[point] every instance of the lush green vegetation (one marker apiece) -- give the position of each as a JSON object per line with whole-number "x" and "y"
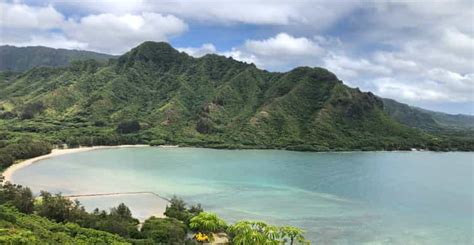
{"x": 21, "y": 149}
{"x": 254, "y": 232}
{"x": 427, "y": 120}
{"x": 56, "y": 219}
{"x": 22, "y": 221}
{"x": 157, "y": 95}
{"x": 164, "y": 230}
{"x": 20, "y": 228}
{"x": 24, "y": 58}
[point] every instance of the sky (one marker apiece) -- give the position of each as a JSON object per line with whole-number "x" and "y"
{"x": 417, "y": 52}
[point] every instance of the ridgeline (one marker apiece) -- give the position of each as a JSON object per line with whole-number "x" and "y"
{"x": 155, "y": 94}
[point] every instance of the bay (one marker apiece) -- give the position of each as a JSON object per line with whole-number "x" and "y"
{"x": 337, "y": 198}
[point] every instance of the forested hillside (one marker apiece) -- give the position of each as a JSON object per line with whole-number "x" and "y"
{"x": 155, "y": 94}
{"x": 425, "y": 119}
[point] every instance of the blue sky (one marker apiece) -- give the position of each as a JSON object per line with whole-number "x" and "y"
{"x": 417, "y": 52}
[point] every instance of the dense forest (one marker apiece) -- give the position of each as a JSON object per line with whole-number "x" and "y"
{"x": 155, "y": 95}
{"x": 54, "y": 219}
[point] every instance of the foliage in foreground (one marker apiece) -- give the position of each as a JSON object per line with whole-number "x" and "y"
{"x": 164, "y": 230}
{"x": 255, "y": 232}
{"x": 57, "y": 219}
{"x": 20, "y": 228}
{"x": 177, "y": 209}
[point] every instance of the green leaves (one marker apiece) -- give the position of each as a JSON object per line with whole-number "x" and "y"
{"x": 164, "y": 230}
{"x": 19, "y": 228}
{"x": 207, "y": 223}
{"x": 256, "y": 232}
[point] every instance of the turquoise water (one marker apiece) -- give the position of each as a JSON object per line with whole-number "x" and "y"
{"x": 338, "y": 198}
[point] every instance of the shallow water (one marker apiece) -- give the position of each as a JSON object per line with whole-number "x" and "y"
{"x": 338, "y": 198}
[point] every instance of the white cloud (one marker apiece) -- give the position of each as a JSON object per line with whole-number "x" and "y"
{"x": 439, "y": 85}
{"x": 53, "y": 40}
{"x": 207, "y": 48}
{"x": 243, "y": 12}
{"x": 283, "y": 44}
{"x": 22, "y": 25}
{"x": 242, "y": 56}
{"x": 26, "y": 17}
{"x": 458, "y": 42}
{"x": 280, "y": 52}
{"x": 250, "y": 12}
{"x": 393, "y": 88}
{"x": 351, "y": 68}
{"x": 118, "y": 33}
{"x": 258, "y": 12}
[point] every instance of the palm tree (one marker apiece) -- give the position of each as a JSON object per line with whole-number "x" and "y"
{"x": 292, "y": 233}
{"x": 251, "y": 237}
{"x": 207, "y": 223}
{"x": 272, "y": 233}
{"x": 253, "y": 232}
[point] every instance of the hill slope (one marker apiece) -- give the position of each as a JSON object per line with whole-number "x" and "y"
{"x": 425, "y": 119}
{"x": 209, "y": 101}
{"x": 20, "y": 59}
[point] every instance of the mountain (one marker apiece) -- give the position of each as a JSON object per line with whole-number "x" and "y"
{"x": 158, "y": 95}
{"x": 425, "y": 119}
{"x": 19, "y": 59}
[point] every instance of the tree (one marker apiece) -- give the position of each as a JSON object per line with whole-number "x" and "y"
{"x": 121, "y": 211}
{"x": 164, "y": 230}
{"x": 119, "y": 221}
{"x": 17, "y": 196}
{"x": 195, "y": 209}
{"x": 58, "y": 208}
{"x": 250, "y": 232}
{"x": 293, "y": 233}
{"x": 255, "y": 232}
{"x": 207, "y": 222}
{"x": 27, "y": 148}
{"x": 177, "y": 209}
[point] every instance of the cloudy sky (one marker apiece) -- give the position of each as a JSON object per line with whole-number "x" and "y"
{"x": 417, "y": 52}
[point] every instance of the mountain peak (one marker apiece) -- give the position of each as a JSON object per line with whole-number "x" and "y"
{"x": 161, "y": 54}
{"x": 148, "y": 45}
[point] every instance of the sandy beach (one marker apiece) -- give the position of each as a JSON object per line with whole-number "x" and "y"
{"x": 8, "y": 173}
{"x": 138, "y": 207}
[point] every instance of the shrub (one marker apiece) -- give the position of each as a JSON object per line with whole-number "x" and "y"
{"x": 17, "y": 196}
{"x": 164, "y": 230}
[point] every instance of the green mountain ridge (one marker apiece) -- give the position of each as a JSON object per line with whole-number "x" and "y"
{"x": 19, "y": 59}
{"x": 210, "y": 101}
{"x": 425, "y": 119}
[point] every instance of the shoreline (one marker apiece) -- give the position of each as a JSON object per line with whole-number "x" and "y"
{"x": 8, "y": 173}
